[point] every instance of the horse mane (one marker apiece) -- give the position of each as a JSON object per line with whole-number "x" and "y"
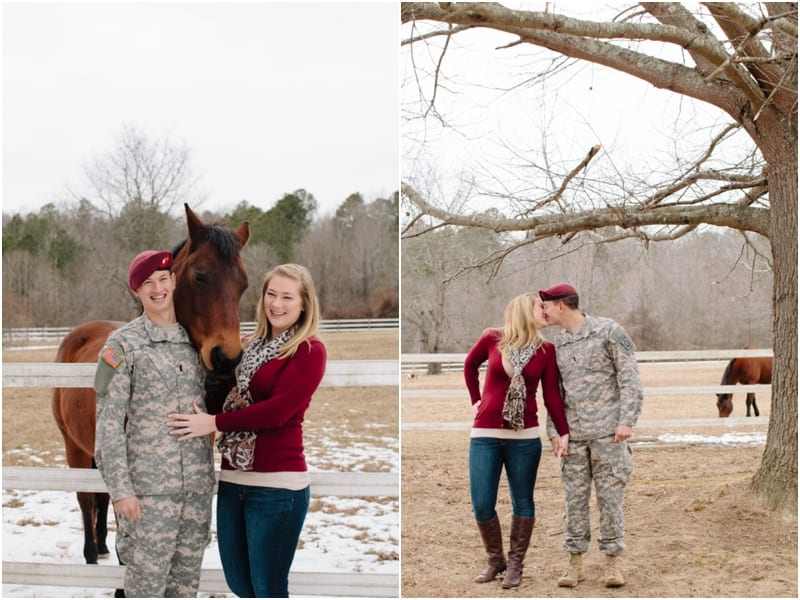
{"x": 222, "y": 238}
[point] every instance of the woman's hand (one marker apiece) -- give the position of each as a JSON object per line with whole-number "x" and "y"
{"x": 191, "y": 426}
{"x": 475, "y": 408}
{"x": 560, "y": 445}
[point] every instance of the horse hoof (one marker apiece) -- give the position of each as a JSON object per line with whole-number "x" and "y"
{"x": 102, "y": 554}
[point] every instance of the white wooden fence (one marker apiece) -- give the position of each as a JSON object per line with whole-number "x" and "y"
{"x": 412, "y": 364}
{"x": 56, "y": 334}
{"x": 338, "y": 374}
{"x": 420, "y": 363}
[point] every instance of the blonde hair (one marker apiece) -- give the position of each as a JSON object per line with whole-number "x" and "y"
{"x": 519, "y": 328}
{"x": 308, "y": 322}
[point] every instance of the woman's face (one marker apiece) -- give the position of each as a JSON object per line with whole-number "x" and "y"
{"x": 283, "y": 303}
{"x": 538, "y": 315}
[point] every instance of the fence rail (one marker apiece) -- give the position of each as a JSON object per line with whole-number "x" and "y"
{"x": 338, "y": 373}
{"x": 345, "y": 484}
{"x": 411, "y": 363}
{"x": 212, "y": 581}
{"x": 55, "y": 334}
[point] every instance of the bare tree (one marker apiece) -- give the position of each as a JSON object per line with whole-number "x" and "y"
{"x": 741, "y": 59}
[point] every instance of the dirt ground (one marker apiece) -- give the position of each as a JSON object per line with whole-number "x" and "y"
{"x": 693, "y": 529}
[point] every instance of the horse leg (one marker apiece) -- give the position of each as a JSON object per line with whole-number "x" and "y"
{"x": 86, "y": 502}
{"x": 101, "y": 500}
{"x": 751, "y": 399}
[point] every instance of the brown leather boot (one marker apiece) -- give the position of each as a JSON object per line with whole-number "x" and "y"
{"x": 521, "y": 529}
{"x": 493, "y": 542}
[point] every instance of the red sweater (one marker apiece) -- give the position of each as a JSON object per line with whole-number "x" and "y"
{"x": 541, "y": 367}
{"x": 281, "y": 391}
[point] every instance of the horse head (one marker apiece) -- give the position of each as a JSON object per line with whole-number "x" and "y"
{"x": 725, "y": 404}
{"x": 210, "y": 282}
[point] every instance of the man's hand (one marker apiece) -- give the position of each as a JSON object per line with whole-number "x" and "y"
{"x": 623, "y": 433}
{"x": 128, "y": 507}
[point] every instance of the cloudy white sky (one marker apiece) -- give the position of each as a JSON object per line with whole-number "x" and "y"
{"x": 268, "y": 97}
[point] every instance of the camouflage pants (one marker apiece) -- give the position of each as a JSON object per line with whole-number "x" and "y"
{"x": 164, "y": 549}
{"x": 609, "y": 464}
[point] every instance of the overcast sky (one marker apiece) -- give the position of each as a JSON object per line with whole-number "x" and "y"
{"x": 499, "y": 117}
{"x": 268, "y": 97}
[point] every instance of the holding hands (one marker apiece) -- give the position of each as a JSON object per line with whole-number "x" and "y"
{"x": 560, "y": 445}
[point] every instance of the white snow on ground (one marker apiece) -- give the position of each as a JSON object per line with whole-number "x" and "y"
{"x": 733, "y": 438}
{"x": 351, "y": 535}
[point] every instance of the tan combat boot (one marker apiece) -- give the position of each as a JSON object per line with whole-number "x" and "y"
{"x": 612, "y": 576}
{"x": 574, "y": 572}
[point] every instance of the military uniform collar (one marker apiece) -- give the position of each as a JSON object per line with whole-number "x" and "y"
{"x": 581, "y": 331}
{"x": 159, "y": 334}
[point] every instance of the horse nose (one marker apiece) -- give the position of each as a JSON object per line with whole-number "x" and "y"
{"x": 222, "y": 364}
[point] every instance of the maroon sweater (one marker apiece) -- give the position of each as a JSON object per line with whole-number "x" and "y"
{"x": 541, "y": 367}
{"x": 281, "y": 391}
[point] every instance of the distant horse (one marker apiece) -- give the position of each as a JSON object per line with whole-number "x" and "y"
{"x": 747, "y": 371}
{"x": 211, "y": 279}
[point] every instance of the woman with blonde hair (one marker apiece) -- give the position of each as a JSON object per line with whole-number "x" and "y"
{"x": 505, "y": 430}
{"x": 263, "y": 492}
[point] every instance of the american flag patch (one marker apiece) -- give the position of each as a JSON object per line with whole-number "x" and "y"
{"x": 111, "y": 357}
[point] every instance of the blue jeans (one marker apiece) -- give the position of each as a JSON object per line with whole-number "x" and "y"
{"x": 258, "y": 530}
{"x": 486, "y": 459}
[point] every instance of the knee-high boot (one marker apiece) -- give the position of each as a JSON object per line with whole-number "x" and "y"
{"x": 493, "y": 543}
{"x": 521, "y": 529}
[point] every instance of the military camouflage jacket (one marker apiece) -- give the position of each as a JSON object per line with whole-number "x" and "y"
{"x": 145, "y": 373}
{"x": 599, "y": 377}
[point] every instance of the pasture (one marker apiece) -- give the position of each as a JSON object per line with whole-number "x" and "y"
{"x": 346, "y": 429}
{"x": 692, "y": 526}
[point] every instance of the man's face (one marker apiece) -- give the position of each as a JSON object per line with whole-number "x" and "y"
{"x": 551, "y": 311}
{"x": 156, "y": 292}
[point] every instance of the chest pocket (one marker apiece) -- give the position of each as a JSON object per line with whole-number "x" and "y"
{"x": 589, "y": 355}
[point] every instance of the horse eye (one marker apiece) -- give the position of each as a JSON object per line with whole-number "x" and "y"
{"x": 200, "y": 277}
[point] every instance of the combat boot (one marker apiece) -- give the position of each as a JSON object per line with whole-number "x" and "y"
{"x": 574, "y": 572}
{"x": 612, "y": 576}
{"x": 493, "y": 543}
{"x": 521, "y": 529}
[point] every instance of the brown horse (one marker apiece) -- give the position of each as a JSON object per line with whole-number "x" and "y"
{"x": 210, "y": 282}
{"x": 747, "y": 371}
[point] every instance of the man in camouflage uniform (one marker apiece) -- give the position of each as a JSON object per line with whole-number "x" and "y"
{"x": 603, "y": 400}
{"x": 161, "y": 487}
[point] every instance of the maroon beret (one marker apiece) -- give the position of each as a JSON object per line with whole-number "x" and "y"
{"x": 145, "y": 264}
{"x": 559, "y": 290}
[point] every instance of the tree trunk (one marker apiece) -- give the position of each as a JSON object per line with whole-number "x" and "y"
{"x": 776, "y": 478}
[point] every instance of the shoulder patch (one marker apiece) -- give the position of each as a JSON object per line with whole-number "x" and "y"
{"x": 620, "y": 337}
{"x": 111, "y": 358}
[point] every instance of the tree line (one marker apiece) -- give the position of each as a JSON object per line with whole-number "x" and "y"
{"x": 65, "y": 265}
{"x": 665, "y": 295}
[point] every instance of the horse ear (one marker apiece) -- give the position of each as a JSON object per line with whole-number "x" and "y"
{"x": 196, "y": 226}
{"x": 242, "y": 232}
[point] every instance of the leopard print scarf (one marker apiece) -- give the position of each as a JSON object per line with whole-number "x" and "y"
{"x": 238, "y": 447}
{"x": 514, "y": 404}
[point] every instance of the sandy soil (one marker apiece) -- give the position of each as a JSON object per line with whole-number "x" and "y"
{"x": 692, "y": 526}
